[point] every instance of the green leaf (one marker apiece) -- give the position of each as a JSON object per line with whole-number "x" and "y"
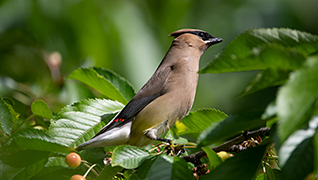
{"x": 315, "y": 144}
{"x": 40, "y": 108}
{"x": 171, "y": 135}
{"x": 275, "y": 174}
{"x": 133, "y": 176}
{"x": 56, "y": 161}
{"x": 8, "y": 172}
{"x": 30, "y": 170}
{"x": 294, "y": 141}
{"x": 214, "y": 159}
{"x": 108, "y": 172}
{"x": 37, "y": 140}
{"x": 95, "y": 155}
{"x": 124, "y": 87}
{"x": 76, "y": 91}
{"x": 301, "y": 161}
{"x": 146, "y": 166}
{"x": 168, "y": 167}
{"x": 197, "y": 121}
{"x": 107, "y": 83}
{"x": 265, "y": 79}
{"x": 260, "y": 177}
{"x": 128, "y": 157}
{"x": 264, "y": 48}
{"x": 296, "y": 99}
{"x": 79, "y": 122}
{"x": 270, "y": 173}
{"x": 8, "y": 101}
{"x": 6, "y": 118}
{"x": 244, "y": 165}
{"x": 55, "y": 168}
{"x": 230, "y": 127}
{"x": 270, "y": 111}
{"x": 14, "y": 157}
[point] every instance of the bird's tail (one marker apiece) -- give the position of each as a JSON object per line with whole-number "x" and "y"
{"x": 113, "y": 137}
{"x": 83, "y": 146}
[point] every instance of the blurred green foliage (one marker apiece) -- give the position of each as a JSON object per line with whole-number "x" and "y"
{"x": 42, "y": 41}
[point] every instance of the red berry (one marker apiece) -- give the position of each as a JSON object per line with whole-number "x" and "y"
{"x": 73, "y": 160}
{"x": 77, "y": 177}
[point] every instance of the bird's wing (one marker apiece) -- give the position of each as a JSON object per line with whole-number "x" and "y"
{"x": 149, "y": 92}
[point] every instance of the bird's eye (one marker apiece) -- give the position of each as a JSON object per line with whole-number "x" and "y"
{"x": 201, "y": 34}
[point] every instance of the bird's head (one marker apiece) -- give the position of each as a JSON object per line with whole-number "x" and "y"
{"x": 195, "y": 37}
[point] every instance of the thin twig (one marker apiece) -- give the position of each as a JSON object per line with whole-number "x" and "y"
{"x": 195, "y": 158}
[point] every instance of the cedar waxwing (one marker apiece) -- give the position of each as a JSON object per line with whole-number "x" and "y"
{"x": 166, "y": 97}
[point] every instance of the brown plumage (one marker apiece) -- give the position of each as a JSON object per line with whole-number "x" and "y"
{"x": 166, "y": 97}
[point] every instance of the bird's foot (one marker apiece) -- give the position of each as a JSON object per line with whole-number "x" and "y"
{"x": 164, "y": 140}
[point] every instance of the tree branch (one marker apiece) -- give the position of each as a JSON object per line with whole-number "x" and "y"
{"x": 228, "y": 146}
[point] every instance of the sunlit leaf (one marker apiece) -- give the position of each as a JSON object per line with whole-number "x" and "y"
{"x": 214, "y": 159}
{"x": 264, "y": 48}
{"x": 168, "y": 167}
{"x": 124, "y": 87}
{"x": 40, "y": 108}
{"x": 79, "y": 122}
{"x": 128, "y": 157}
{"x": 76, "y": 91}
{"x": 92, "y": 78}
{"x": 260, "y": 177}
{"x": 229, "y": 127}
{"x": 296, "y": 99}
{"x": 197, "y": 121}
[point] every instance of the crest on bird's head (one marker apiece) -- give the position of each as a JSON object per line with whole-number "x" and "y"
{"x": 204, "y": 36}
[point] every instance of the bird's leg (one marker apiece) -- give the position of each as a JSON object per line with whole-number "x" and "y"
{"x": 171, "y": 149}
{"x": 151, "y": 135}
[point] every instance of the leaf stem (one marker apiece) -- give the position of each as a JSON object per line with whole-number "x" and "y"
{"x": 25, "y": 120}
{"x": 90, "y": 168}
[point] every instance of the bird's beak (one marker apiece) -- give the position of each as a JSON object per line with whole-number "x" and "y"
{"x": 213, "y": 40}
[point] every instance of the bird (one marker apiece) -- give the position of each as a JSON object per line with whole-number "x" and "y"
{"x": 166, "y": 97}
